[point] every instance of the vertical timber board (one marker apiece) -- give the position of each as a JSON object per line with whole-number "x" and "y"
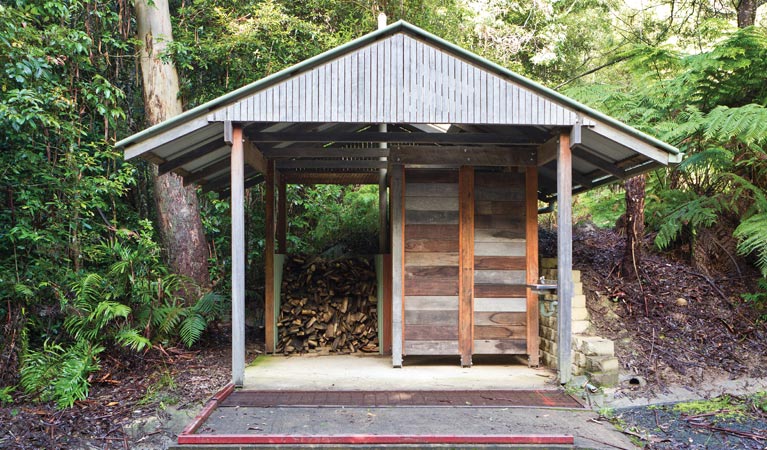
{"x": 397, "y": 192}
{"x": 564, "y": 255}
{"x": 269, "y": 323}
{"x": 466, "y": 264}
{"x": 380, "y": 281}
{"x": 238, "y": 256}
{"x": 387, "y": 330}
{"x": 282, "y": 211}
{"x": 531, "y": 257}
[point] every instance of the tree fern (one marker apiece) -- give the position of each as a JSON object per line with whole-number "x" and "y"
{"x": 746, "y": 124}
{"x": 700, "y": 212}
{"x": 752, "y": 238}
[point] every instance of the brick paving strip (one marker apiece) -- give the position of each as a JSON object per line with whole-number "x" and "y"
{"x": 491, "y": 398}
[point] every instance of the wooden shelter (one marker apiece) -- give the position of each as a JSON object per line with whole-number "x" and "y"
{"x": 463, "y": 151}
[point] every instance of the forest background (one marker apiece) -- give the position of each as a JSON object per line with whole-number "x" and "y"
{"x": 86, "y": 268}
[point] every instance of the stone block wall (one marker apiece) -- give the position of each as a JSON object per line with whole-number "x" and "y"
{"x": 593, "y": 356}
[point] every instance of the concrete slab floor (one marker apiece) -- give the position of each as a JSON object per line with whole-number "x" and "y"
{"x": 581, "y": 424}
{"x": 374, "y": 372}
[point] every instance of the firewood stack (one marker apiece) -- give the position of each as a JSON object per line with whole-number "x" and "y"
{"x": 328, "y": 306}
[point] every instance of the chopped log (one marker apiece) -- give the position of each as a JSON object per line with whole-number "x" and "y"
{"x": 328, "y": 306}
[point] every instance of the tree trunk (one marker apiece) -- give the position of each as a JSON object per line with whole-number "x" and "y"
{"x": 178, "y": 211}
{"x": 747, "y": 12}
{"x": 632, "y": 255}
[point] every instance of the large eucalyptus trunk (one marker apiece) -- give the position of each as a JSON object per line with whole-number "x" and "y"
{"x": 632, "y": 255}
{"x": 178, "y": 211}
{"x": 746, "y": 10}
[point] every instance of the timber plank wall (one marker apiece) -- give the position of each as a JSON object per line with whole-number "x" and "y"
{"x": 431, "y": 262}
{"x": 500, "y": 320}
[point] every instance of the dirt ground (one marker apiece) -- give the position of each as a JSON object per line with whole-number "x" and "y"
{"x": 717, "y": 427}
{"x": 135, "y": 401}
{"x": 673, "y": 327}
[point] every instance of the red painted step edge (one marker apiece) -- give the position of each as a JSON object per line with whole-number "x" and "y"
{"x": 275, "y": 439}
{"x": 212, "y": 404}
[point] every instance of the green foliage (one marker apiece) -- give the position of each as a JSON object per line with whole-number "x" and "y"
{"x": 692, "y": 213}
{"x": 5, "y": 395}
{"x": 759, "y": 299}
{"x": 602, "y": 206}
{"x": 711, "y": 105}
{"x": 60, "y": 373}
{"x": 335, "y": 215}
{"x": 722, "y": 408}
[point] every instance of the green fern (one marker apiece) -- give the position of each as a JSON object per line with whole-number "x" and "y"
{"x": 192, "y": 328}
{"x": 752, "y": 238}
{"x": 209, "y": 304}
{"x": 717, "y": 158}
{"x": 167, "y": 317}
{"x": 746, "y": 124}
{"x": 71, "y": 383}
{"x": 132, "y": 339}
{"x": 60, "y": 374}
{"x": 700, "y": 212}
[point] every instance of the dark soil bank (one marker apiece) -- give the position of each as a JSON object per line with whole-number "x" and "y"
{"x": 661, "y": 427}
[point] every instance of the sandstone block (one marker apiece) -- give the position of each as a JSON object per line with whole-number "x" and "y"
{"x": 602, "y": 364}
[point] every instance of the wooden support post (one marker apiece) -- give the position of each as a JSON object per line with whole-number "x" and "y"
{"x": 238, "y": 256}
{"x": 466, "y": 264}
{"x": 397, "y": 189}
{"x": 531, "y": 257}
{"x": 387, "y": 327}
{"x": 282, "y": 212}
{"x": 383, "y": 205}
{"x": 269, "y": 322}
{"x": 564, "y": 256}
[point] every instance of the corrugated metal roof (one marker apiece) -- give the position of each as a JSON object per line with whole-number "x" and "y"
{"x": 399, "y": 74}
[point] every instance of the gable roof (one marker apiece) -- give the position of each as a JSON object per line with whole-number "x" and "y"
{"x": 400, "y": 74}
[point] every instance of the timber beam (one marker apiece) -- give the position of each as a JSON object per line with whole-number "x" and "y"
{"x": 331, "y": 164}
{"x": 170, "y": 165}
{"x": 290, "y": 152}
{"x": 460, "y": 156}
{"x": 604, "y": 165}
{"x": 254, "y": 157}
{"x": 400, "y": 137}
{"x": 208, "y": 170}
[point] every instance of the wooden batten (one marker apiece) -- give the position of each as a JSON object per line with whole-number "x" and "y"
{"x": 269, "y": 319}
{"x": 282, "y": 212}
{"x": 466, "y": 264}
{"x": 531, "y": 258}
